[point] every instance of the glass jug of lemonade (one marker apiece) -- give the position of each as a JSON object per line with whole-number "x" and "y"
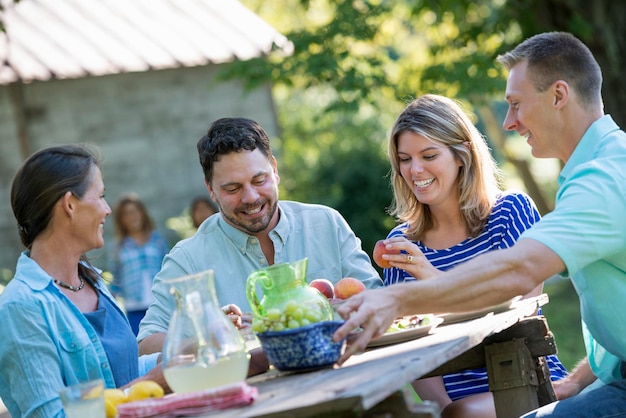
{"x": 202, "y": 347}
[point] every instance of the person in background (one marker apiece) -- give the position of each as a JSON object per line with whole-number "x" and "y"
{"x": 450, "y": 208}
{"x": 136, "y": 256}
{"x": 253, "y": 229}
{"x": 554, "y": 94}
{"x": 60, "y": 325}
{"x": 201, "y": 208}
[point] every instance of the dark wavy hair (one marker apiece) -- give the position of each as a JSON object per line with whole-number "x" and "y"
{"x": 229, "y": 135}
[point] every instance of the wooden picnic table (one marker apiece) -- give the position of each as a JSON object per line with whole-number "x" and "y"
{"x": 511, "y": 344}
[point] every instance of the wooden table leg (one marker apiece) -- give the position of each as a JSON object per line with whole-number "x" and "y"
{"x": 512, "y": 378}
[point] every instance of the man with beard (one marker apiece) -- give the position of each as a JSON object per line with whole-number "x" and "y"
{"x": 252, "y": 230}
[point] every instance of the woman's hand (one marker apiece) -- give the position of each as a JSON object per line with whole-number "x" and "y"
{"x": 155, "y": 374}
{"x": 413, "y": 261}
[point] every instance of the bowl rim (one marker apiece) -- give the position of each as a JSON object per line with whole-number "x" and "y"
{"x": 298, "y": 330}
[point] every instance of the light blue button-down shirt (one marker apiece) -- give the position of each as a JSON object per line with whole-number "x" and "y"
{"x": 46, "y": 344}
{"x": 304, "y": 230}
{"x": 587, "y": 229}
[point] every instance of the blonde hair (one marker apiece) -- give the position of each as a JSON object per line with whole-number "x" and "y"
{"x": 443, "y": 121}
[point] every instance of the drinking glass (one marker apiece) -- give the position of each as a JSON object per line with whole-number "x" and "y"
{"x": 84, "y": 400}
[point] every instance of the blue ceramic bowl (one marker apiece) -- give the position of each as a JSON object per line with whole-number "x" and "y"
{"x": 302, "y": 349}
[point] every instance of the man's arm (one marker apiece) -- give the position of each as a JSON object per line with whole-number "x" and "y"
{"x": 486, "y": 280}
{"x": 153, "y": 343}
{"x": 575, "y": 382}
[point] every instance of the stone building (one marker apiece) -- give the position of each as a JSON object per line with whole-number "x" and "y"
{"x": 137, "y": 78}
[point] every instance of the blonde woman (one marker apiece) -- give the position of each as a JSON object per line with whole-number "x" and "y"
{"x": 450, "y": 208}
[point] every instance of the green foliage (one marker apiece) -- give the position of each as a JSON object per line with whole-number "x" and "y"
{"x": 5, "y": 276}
{"x": 181, "y": 224}
{"x": 354, "y": 181}
{"x": 3, "y": 7}
{"x": 563, "y": 315}
{"x": 336, "y": 159}
{"x": 355, "y": 64}
{"x": 332, "y": 47}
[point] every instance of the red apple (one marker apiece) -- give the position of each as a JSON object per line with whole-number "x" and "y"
{"x": 347, "y": 287}
{"x": 325, "y": 286}
{"x": 379, "y": 250}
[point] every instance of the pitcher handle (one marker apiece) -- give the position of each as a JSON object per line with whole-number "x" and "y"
{"x": 251, "y": 282}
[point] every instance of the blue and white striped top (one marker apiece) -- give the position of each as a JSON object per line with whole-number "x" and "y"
{"x": 512, "y": 213}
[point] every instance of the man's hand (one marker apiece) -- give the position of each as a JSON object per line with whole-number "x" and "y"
{"x": 233, "y": 312}
{"x": 373, "y": 311}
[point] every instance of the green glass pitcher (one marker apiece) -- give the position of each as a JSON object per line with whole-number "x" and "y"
{"x": 287, "y": 301}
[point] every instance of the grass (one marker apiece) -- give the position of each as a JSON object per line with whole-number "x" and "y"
{"x": 563, "y": 315}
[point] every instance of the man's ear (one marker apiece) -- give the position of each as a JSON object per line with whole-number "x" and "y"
{"x": 561, "y": 92}
{"x": 209, "y": 189}
{"x": 275, "y": 166}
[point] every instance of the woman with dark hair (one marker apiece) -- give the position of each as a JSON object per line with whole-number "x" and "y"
{"x": 60, "y": 325}
{"x": 201, "y": 208}
{"x": 136, "y": 256}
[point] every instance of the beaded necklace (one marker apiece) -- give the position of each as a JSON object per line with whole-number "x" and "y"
{"x": 69, "y": 286}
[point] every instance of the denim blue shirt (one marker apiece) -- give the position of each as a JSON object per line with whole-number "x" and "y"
{"x": 47, "y": 343}
{"x": 587, "y": 230}
{"x": 304, "y": 230}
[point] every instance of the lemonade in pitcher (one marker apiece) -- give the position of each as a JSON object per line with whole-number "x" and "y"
{"x": 194, "y": 377}
{"x": 202, "y": 347}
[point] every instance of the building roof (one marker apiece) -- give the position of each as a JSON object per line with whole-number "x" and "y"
{"x": 48, "y": 39}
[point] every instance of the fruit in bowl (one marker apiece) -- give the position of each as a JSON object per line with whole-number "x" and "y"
{"x": 348, "y": 286}
{"x": 305, "y": 348}
{"x": 325, "y": 286}
{"x": 292, "y": 315}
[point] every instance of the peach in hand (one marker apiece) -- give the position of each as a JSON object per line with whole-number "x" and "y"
{"x": 379, "y": 250}
{"x": 325, "y": 286}
{"x": 347, "y": 287}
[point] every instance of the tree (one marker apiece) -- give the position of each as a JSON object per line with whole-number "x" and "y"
{"x": 357, "y": 55}
{"x": 355, "y": 66}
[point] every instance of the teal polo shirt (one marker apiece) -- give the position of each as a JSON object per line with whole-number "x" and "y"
{"x": 587, "y": 230}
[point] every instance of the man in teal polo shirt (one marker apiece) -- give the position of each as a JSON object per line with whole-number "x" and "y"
{"x": 554, "y": 95}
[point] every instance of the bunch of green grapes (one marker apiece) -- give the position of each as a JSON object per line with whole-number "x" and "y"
{"x": 292, "y": 315}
